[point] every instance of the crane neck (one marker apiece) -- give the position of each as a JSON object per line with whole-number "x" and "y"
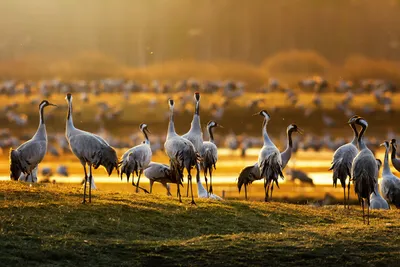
{"x": 361, "y": 144}
{"x": 267, "y": 140}
{"x": 41, "y": 114}
{"x": 355, "y": 138}
{"x": 197, "y": 108}
{"x": 393, "y": 155}
{"x": 70, "y": 122}
{"x": 171, "y": 126}
{"x": 289, "y": 141}
{"x": 146, "y": 137}
{"x": 386, "y": 167}
{"x": 195, "y": 125}
{"x": 210, "y": 133}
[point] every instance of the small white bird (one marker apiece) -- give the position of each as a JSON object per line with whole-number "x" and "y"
{"x": 377, "y": 201}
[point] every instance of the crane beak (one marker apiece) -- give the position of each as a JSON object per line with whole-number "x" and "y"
{"x": 220, "y": 126}
{"x": 383, "y": 144}
{"x": 300, "y": 131}
{"x": 54, "y": 105}
{"x": 147, "y": 129}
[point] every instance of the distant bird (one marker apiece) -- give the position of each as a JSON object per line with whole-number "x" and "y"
{"x": 395, "y": 161}
{"x": 47, "y": 172}
{"x": 377, "y": 201}
{"x": 195, "y": 134}
{"x": 209, "y": 154}
{"x": 390, "y": 184}
{"x": 63, "y": 171}
{"x": 202, "y": 192}
{"x": 342, "y": 162}
{"x": 269, "y": 159}
{"x": 182, "y": 154}
{"x": 252, "y": 173}
{"x": 28, "y": 155}
{"x": 364, "y": 168}
{"x": 90, "y": 149}
{"x": 301, "y": 176}
{"x": 161, "y": 173}
{"x": 136, "y": 159}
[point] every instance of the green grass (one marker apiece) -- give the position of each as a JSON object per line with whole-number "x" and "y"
{"x": 46, "y": 225}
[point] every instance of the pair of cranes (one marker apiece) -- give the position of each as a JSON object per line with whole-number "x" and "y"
{"x": 93, "y": 151}
{"x": 356, "y": 161}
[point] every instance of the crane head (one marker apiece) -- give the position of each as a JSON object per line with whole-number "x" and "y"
{"x": 353, "y": 119}
{"x": 45, "y": 103}
{"x": 294, "y": 128}
{"x": 68, "y": 97}
{"x": 143, "y": 127}
{"x": 263, "y": 113}
{"x": 171, "y": 103}
{"x": 213, "y": 124}
{"x": 197, "y": 96}
{"x": 385, "y": 144}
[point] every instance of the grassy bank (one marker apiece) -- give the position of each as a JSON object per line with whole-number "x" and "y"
{"x": 46, "y": 225}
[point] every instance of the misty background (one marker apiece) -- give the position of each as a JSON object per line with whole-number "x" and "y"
{"x": 138, "y": 33}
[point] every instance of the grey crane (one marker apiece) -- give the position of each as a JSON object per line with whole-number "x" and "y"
{"x": 252, "y": 173}
{"x": 90, "y": 149}
{"x": 209, "y": 154}
{"x": 269, "y": 159}
{"x": 342, "y": 161}
{"x": 182, "y": 154}
{"x": 136, "y": 159}
{"x": 28, "y": 155}
{"x": 300, "y": 176}
{"x": 395, "y": 161}
{"x": 390, "y": 184}
{"x": 377, "y": 201}
{"x": 364, "y": 168}
{"x": 195, "y": 134}
{"x": 161, "y": 173}
{"x": 202, "y": 192}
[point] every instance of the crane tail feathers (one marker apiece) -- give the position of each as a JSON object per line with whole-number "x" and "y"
{"x": 15, "y": 165}
{"x": 341, "y": 170}
{"x": 246, "y": 177}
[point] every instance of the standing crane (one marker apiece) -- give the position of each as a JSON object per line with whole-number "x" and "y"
{"x": 269, "y": 159}
{"x": 136, "y": 159}
{"x": 390, "y": 185}
{"x": 90, "y": 149}
{"x": 364, "y": 168}
{"x": 195, "y": 134}
{"x": 161, "y": 173}
{"x": 182, "y": 154}
{"x": 209, "y": 154}
{"x": 252, "y": 173}
{"x": 342, "y": 161}
{"x": 27, "y": 156}
{"x": 395, "y": 161}
{"x": 377, "y": 201}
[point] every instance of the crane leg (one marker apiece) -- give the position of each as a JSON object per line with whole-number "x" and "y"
{"x": 205, "y": 178}
{"x": 178, "y": 193}
{"x": 187, "y": 189}
{"x": 191, "y": 188}
{"x": 90, "y": 183}
{"x": 245, "y": 191}
{"x": 137, "y": 184}
{"x": 368, "y": 204}
{"x": 348, "y": 195}
{"x": 211, "y": 189}
{"x": 362, "y": 203}
{"x": 266, "y": 189}
{"x": 344, "y": 197}
{"x": 84, "y": 186}
{"x": 151, "y": 186}
{"x": 272, "y": 188}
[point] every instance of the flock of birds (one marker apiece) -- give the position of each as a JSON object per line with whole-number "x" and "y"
{"x": 190, "y": 152}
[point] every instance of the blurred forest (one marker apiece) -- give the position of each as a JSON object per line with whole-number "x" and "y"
{"x": 93, "y": 38}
